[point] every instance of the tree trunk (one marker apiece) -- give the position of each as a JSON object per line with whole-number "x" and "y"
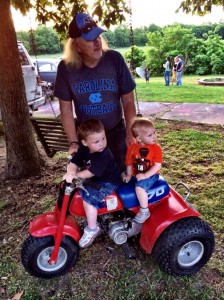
{"x": 21, "y": 151}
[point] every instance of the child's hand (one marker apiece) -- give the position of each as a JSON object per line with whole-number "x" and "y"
{"x": 68, "y": 177}
{"x": 125, "y": 178}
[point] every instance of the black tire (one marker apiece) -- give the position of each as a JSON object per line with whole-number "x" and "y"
{"x": 185, "y": 247}
{"x": 36, "y": 251}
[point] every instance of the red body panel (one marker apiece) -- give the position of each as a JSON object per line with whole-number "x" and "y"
{"x": 76, "y": 207}
{"x": 47, "y": 224}
{"x": 164, "y": 214}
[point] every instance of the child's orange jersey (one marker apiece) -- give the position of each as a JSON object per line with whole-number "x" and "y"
{"x": 142, "y": 158}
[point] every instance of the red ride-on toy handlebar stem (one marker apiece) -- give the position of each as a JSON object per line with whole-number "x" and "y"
{"x": 62, "y": 219}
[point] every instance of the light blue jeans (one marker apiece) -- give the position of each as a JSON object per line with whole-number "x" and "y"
{"x": 147, "y": 183}
{"x": 95, "y": 196}
{"x": 179, "y": 78}
{"x": 167, "y": 77}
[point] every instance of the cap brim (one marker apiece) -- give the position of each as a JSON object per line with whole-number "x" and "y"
{"x": 92, "y": 34}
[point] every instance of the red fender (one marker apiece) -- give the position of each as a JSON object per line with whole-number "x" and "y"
{"x": 47, "y": 224}
{"x": 164, "y": 214}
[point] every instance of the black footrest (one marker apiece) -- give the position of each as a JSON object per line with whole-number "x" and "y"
{"x": 128, "y": 251}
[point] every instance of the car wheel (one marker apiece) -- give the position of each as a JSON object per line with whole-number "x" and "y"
{"x": 185, "y": 247}
{"x": 36, "y": 252}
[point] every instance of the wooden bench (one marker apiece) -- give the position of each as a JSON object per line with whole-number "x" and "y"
{"x": 51, "y": 134}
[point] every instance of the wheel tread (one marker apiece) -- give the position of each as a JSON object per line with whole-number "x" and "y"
{"x": 32, "y": 246}
{"x": 171, "y": 238}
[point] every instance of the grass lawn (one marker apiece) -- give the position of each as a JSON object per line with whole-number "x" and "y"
{"x": 193, "y": 153}
{"x": 190, "y": 92}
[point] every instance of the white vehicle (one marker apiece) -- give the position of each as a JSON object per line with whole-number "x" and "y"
{"x": 32, "y": 80}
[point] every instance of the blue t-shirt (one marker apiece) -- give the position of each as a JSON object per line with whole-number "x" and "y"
{"x": 96, "y": 91}
{"x": 179, "y": 66}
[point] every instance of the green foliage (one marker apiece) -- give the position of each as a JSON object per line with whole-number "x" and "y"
{"x": 187, "y": 40}
{"x": 24, "y": 37}
{"x": 46, "y": 40}
{"x": 201, "y": 65}
{"x": 201, "y": 56}
{"x": 122, "y": 34}
{"x": 170, "y": 41}
{"x": 107, "y": 12}
{"x": 215, "y": 51}
{"x": 135, "y": 56}
{"x": 200, "y": 8}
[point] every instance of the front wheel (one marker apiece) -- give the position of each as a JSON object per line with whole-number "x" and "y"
{"x": 185, "y": 247}
{"x": 36, "y": 253}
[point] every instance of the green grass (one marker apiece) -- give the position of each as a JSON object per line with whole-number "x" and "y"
{"x": 193, "y": 153}
{"x": 190, "y": 92}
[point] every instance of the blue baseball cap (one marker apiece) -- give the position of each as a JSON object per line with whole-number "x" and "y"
{"x": 82, "y": 25}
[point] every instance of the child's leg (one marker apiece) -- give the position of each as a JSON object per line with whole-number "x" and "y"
{"x": 91, "y": 214}
{"x": 142, "y": 196}
{"x": 144, "y": 212}
{"x": 92, "y": 230}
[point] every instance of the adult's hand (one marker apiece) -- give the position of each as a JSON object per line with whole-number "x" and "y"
{"x": 129, "y": 138}
{"x": 73, "y": 149}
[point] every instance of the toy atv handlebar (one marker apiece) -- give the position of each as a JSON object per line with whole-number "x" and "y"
{"x": 186, "y": 188}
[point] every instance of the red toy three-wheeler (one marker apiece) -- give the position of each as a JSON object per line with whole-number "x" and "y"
{"x": 179, "y": 240}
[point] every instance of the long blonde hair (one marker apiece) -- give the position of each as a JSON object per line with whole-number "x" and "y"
{"x": 71, "y": 55}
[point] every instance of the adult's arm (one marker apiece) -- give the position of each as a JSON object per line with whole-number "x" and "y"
{"x": 68, "y": 123}
{"x": 129, "y": 108}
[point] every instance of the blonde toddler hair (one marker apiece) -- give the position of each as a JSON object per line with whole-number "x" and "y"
{"x": 140, "y": 124}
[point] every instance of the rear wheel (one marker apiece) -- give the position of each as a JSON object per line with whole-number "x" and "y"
{"x": 185, "y": 247}
{"x": 36, "y": 253}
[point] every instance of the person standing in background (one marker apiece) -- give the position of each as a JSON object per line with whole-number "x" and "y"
{"x": 167, "y": 66}
{"x": 180, "y": 66}
{"x": 174, "y": 69}
{"x": 146, "y": 74}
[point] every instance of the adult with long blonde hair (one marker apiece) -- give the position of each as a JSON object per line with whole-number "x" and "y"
{"x": 97, "y": 81}
{"x": 174, "y": 75}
